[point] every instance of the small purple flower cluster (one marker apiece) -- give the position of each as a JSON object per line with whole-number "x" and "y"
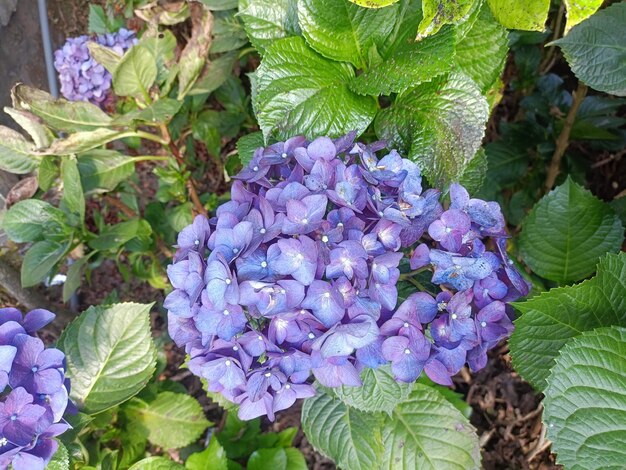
{"x": 297, "y": 275}
{"x": 81, "y": 77}
{"x": 32, "y": 407}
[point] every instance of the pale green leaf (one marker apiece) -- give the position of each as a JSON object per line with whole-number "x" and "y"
{"x": 102, "y": 170}
{"x": 105, "y": 56}
{"x": 277, "y": 459}
{"x": 196, "y": 51}
{"x": 156, "y": 463}
{"x": 528, "y": 15}
{"x": 212, "y": 458}
{"x": 159, "y": 112}
{"x": 16, "y": 153}
{"x": 41, "y": 135}
{"x": 62, "y": 115}
{"x": 374, "y": 3}
{"x": 215, "y": 74}
{"x": 438, "y": 13}
{"x": 110, "y": 355}
{"x": 550, "y": 319}
{"x": 218, "y": 5}
{"x": 83, "y": 141}
{"x": 297, "y": 91}
{"x": 410, "y": 64}
{"x": 439, "y": 125}
{"x": 162, "y": 45}
{"x": 73, "y": 201}
{"x": 74, "y": 276}
{"x": 172, "y": 420}
{"x": 97, "y": 20}
{"x": 343, "y": 31}
{"x": 379, "y": 392}
{"x": 579, "y": 10}
{"x": 114, "y": 236}
{"x": 595, "y": 50}
{"x": 585, "y": 401}
{"x": 428, "y": 432}
{"x": 474, "y": 173}
{"x": 40, "y": 259}
{"x": 135, "y": 73}
{"x": 31, "y": 220}
{"x": 265, "y": 21}
{"x": 567, "y": 232}
{"x": 47, "y": 173}
{"x": 350, "y": 437}
{"x": 60, "y": 459}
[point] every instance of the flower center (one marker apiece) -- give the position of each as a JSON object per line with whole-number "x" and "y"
{"x": 325, "y": 239}
{"x": 284, "y": 155}
{"x": 228, "y": 363}
{"x": 226, "y": 312}
{"x": 256, "y": 168}
{"x": 196, "y": 242}
{"x": 483, "y": 324}
{"x": 407, "y": 351}
{"x": 305, "y": 221}
{"x": 406, "y": 325}
{"x": 454, "y": 316}
{"x": 13, "y": 417}
{"x": 267, "y": 374}
{"x": 34, "y": 369}
{"x": 311, "y": 336}
{"x": 228, "y": 281}
{"x": 235, "y": 250}
{"x": 264, "y": 264}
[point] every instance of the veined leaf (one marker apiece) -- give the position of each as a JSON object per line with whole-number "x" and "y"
{"x": 135, "y": 73}
{"x": 550, "y": 319}
{"x": 297, "y": 91}
{"x": 156, "y": 463}
{"x": 579, "y": 10}
{"x": 29, "y": 220}
{"x": 102, "y": 170}
{"x": 567, "y": 232}
{"x": 585, "y": 404}
{"x": 438, "y": 13}
{"x": 277, "y": 459}
{"x": 194, "y": 56}
{"x": 60, "y": 459}
{"x": 41, "y": 135}
{"x": 40, "y": 259}
{"x": 161, "y": 111}
{"x": 73, "y": 201}
{"x": 84, "y": 141}
{"x": 529, "y": 15}
{"x": 16, "y": 153}
{"x": 110, "y": 355}
{"x": 247, "y": 144}
{"x": 105, "y": 56}
{"x": 265, "y": 21}
{"x": 212, "y": 458}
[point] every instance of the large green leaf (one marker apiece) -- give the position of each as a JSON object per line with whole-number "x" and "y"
{"x": 529, "y": 15}
{"x": 277, "y": 459}
{"x": 550, "y": 319}
{"x": 114, "y": 236}
{"x": 297, "y": 91}
{"x": 16, "y": 153}
{"x": 350, "y": 437}
{"x": 30, "y": 220}
{"x": 266, "y": 21}
{"x": 73, "y": 201}
{"x": 247, "y": 145}
{"x": 410, "y": 64}
{"x": 429, "y": 432}
{"x": 585, "y": 404}
{"x": 40, "y": 259}
{"x": 595, "y": 50}
{"x": 579, "y": 10}
{"x": 482, "y": 49}
{"x": 105, "y": 56}
{"x": 110, "y": 355}
{"x": 440, "y": 125}
{"x": 212, "y": 458}
{"x": 62, "y": 115}
{"x": 171, "y": 421}
{"x": 102, "y": 170}
{"x": 161, "y": 111}
{"x": 441, "y": 12}
{"x": 343, "y": 31}
{"x": 506, "y": 163}
{"x": 135, "y": 73}
{"x": 566, "y": 233}
{"x": 379, "y": 392}
{"x": 156, "y": 463}
{"x": 60, "y": 459}
{"x": 215, "y": 74}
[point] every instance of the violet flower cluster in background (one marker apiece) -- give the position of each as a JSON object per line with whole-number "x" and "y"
{"x": 298, "y": 275}
{"x": 34, "y": 391}
{"x": 81, "y": 77}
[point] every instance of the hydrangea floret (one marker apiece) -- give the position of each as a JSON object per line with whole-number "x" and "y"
{"x": 297, "y": 275}
{"x": 33, "y": 389}
{"x": 81, "y": 77}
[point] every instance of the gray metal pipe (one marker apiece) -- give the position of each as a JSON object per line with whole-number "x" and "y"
{"x": 47, "y": 48}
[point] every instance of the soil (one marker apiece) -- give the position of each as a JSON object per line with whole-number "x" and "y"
{"x": 506, "y": 411}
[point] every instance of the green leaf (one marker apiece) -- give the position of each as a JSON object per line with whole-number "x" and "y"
{"x": 110, "y": 355}
{"x": 374, "y": 3}
{"x": 350, "y": 437}
{"x": 379, "y": 392}
{"x": 506, "y": 163}
{"x": 47, "y": 173}
{"x": 102, "y": 170}
{"x": 247, "y": 144}
{"x": 196, "y": 51}
{"x": 567, "y": 232}
{"x": 585, "y": 403}
{"x": 156, "y": 463}
{"x": 32, "y": 220}
{"x": 277, "y": 459}
{"x": 60, "y": 459}
{"x": 551, "y": 318}
{"x": 41, "y": 135}
{"x": 481, "y": 52}
{"x": 114, "y": 236}
{"x": 135, "y": 73}
{"x": 438, "y": 13}
{"x": 297, "y": 91}
{"x": 84, "y": 141}
{"x": 98, "y": 22}
{"x": 40, "y": 259}
{"x": 266, "y": 21}
{"x": 474, "y": 173}
{"x": 343, "y": 31}
{"x": 440, "y": 125}
{"x": 216, "y": 73}
{"x": 218, "y": 5}
{"x": 162, "y": 45}
{"x": 159, "y": 112}
{"x": 228, "y": 32}
{"x": 579, "y": 10}
{"x": 74, "y": 276}
{"x": 211, "y": 458}
{"x": 172, "y": 420}
{"x": 428, "y": 432}
{"x": 105, "y": 56}
{"x": 16, "y": 153}
{"x": 410, "y": 64}
{"x": 73, "y": 201}
{"x": 595, "y": 50}
{"x": 239, "y": 438}
{"x": 62, "y": 115}
{"x": 529, "y": 15}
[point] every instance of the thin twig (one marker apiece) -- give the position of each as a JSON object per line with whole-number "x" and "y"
{"x": 563, "y": 140}
{"x": 548, "y": 61}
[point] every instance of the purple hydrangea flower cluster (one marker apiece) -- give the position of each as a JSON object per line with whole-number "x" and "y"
{"x": 298, "y": 274}
{"x": 33, "y": 390}
{"x": 81, "y": 77}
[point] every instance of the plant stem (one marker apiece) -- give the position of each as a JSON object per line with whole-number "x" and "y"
{"x": 563, "y": 140}
{"x": 547, "y": 62}
{"x": 410, "y": 274}
{"x": 149, "y": 158}
{"x": 149, "y": 136}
